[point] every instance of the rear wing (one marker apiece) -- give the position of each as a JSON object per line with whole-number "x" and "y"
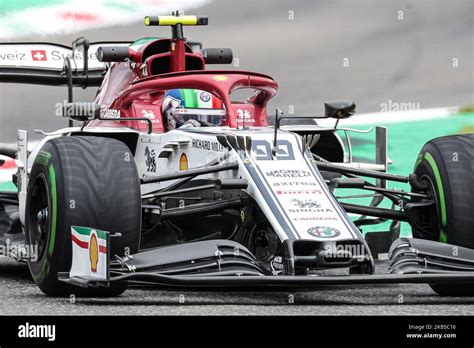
{"x": 57, "y": 65}
{"x": 53, "y": 64}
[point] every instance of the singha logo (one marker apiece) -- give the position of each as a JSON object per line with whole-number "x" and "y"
{"x": 150, "y": 160}
{"x": 307, "y": 203}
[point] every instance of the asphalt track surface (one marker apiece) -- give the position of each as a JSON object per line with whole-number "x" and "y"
{"x": 407, "y": 60}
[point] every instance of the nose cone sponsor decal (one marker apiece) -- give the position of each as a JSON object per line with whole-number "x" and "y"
{"x": 306, "y": 203}
{"x": 287, "y": 173}
{"x": 324, "y": 232}
{"x": 298, "y": 191}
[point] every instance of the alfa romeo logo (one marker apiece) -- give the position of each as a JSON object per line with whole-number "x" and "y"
{"x": 205, "y": 97}
{"x": 324, "y": 232}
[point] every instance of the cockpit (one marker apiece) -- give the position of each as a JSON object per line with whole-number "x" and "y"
{"x": 191, "y": 108}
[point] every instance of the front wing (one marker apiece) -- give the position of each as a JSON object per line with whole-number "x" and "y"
{"x": 223, "y": 263}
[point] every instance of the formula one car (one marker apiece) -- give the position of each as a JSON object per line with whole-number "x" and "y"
{"x": 171, "y": 179}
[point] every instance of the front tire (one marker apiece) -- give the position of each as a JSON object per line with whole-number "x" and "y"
{"x": 80, "y": 181}
{"x": 446, "y": 165}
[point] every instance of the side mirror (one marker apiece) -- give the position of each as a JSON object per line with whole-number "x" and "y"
{"x": 339, "y": 109}
{"x": 113, "y": 53}
{"x": 81, "y": 111}
{"x": 217, "y": 55}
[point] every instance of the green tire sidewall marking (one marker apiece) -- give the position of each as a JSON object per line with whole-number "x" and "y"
{"x": 46, "y": 265}
{"x": 443, "y": 237}
{"x": 54, "y": 203}
{"x": 439, "y": 184}
{"x": 418, "y": 160}
{"x": 43, "y": 158}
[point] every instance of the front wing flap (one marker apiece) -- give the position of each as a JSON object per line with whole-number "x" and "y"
{"x": 410, "y": 255}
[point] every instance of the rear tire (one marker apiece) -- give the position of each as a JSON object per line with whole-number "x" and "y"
{"x": 446, "y": 164}
{"x": 83, "y": 181}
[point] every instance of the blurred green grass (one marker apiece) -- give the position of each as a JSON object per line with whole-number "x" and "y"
{"x": 7, "y": 6}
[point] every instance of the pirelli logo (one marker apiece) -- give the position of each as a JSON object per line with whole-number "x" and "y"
{"x": 298, "y": 192}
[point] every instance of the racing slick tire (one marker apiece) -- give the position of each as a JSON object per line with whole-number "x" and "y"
{"x": 83, "y": 181}
{"x": 446, "y": 164}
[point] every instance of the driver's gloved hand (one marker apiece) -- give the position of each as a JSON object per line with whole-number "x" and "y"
{"x": 191, "y": 123}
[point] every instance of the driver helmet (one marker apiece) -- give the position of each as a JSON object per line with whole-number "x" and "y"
{"x": 182, "y": 105}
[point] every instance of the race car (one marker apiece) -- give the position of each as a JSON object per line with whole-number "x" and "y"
{"x": 168, "y": 178}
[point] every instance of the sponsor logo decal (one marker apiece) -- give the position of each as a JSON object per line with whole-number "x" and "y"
{"x": 298, "y": 192}
{"x": 183, "y": 162}
{"x": 147, "y": 114}
{"x": 295, "y": 183}
{"x": 316, "y": 218}
{"x": 205, "y": 97}
{"x": 150, "y": 160}
{"x": 38, "y": 55}
{"x": 57, "y": 55}
{"x": 287, "y": 173}
{"x": 262, "y": 150}
{"x": 310, "y": 210}
{"x": 277, "y": 265}
{"x": 43, "y": 55}
{"x": 307, "y": 206}
{"x": 109, "y": 113}
{"x": 207, "y": 145}
{"x": 89, "y": 252}
{"x": 244, "y": 116}
{"x": 79, "y": 232}
{"x": 307, "y": 203}
{"x": 324, "y": 232}
{"x": 93, "y": 251}
{"x": 220, "y": 78}
{"x": 13, "y": 56}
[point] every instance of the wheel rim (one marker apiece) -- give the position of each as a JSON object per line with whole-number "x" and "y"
{"x": 38, "y": 215}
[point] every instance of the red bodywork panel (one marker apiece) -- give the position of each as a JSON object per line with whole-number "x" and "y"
{"x": 127, "y": 91}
